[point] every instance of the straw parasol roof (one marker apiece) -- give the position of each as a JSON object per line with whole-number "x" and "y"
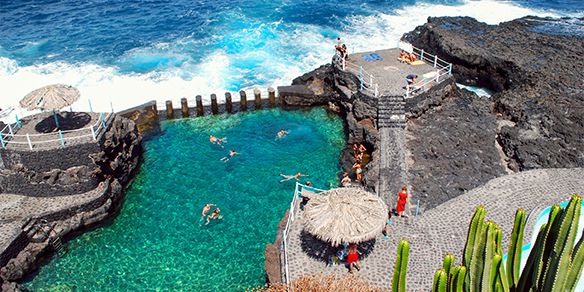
{"x": 51, "y": 97}
{"x": 345, "y": 215}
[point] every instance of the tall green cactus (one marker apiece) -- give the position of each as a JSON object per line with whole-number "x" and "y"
{"x": 515, "y": 246}
{"x": 398, "y": 283}
{"x": 440, "y": 281}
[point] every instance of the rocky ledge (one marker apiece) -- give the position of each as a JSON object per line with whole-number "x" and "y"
{"x": 83, "y": 190}
{"x": 534, "y": 119}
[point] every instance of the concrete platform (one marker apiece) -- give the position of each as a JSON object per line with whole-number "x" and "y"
{"x": 389, "y": 73}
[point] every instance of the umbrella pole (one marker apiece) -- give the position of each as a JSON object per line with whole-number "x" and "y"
{"x": 56, "y": 119}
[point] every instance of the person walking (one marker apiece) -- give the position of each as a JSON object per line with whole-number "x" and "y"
{"x": 402, "y": 199}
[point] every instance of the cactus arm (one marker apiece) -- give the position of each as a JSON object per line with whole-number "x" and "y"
{"x": 489, "y": 259}
{"x": 563, "y": 246}
{"x": 440, "y": 281}
{"x": 576, "y": 267}
{"x": 404, "y": 265}
{"x": 473, "y": 230}
{"x": 527, "y": 278}
{"x": 542, "y": 264}
{"x": 397, "y": 269}
{"x": 452, "y": 280}
{"x": 448, "y": 266}
{"x": 398, "y": 283}
{"x": 475, "y": 270}
{"x": 460, "y": 280}
{"x": 515, "y": 245}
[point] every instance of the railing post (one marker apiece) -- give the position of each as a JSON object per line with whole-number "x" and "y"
{"x": 228, "y": 102}
{"x": 61, "y": 137}
{"x": 344, "y": 62}
{"x": 435, "y": 61}
{"x": 90, "y": 106}
{"x": 438, "y": 77}
{"x": 418, "y": 207}
{"x": 370, "y": 80}
{"x": 424, "y": 84}
{"x": 2, "y": 140}
{"x": 102, "y": 120}
{"x": 450, "y": 69}
{"x": 361, "y": 76}
{"x": 10, "y": 129}
{"x": 93, "y": 133}
{"x": 169, "y": 110}
{"x": 200, "y": 108}
{"x": 112, "y": 106}
{"x": 376, "y": 90}
{"x": 29, "y": 143}
{"x": 422, "y": 55}
{"x": 18, "y": 122}
{"x": 408, "y": 91}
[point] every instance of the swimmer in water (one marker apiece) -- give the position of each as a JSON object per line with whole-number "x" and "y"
{"x": 289, "y": 177}
{"x": 206, "y": 210}
{"x": 214, "y": 215}
{"x": 282, "y": 134}
{"x": 217, "y": 141}
{"x": 229, "y": 156}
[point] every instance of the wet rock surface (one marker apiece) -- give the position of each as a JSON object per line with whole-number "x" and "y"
{"x": 536, "y": 73}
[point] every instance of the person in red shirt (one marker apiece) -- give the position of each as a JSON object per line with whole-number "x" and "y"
{"x": 402, "y": 199}
{"x": 353, "y": 258}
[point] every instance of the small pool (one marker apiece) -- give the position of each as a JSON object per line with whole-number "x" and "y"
{"x": 541, "y": 220}
{"x": 157, "y": 241}
{"x": 480, "y": 91}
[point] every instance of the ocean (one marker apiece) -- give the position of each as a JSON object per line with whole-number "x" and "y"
{"x": 123, "y": 53}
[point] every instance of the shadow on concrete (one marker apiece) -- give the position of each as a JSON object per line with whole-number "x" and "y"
{"x": 323, "y": 251}
{"x": 67, "y": 121}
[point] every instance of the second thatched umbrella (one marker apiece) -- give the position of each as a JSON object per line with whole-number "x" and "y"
{"x": 345, "y": 215}
{"x": 51, "y": 97}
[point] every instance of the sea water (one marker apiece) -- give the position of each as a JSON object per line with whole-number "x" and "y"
{"x": 122, "y": 53}
{"x": 158, "y": 242}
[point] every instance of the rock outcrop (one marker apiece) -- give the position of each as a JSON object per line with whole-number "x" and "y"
{"x": 533, "y": 65}
{"x": 113, "y": 159}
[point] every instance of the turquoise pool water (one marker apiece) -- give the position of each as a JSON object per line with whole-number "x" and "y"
{"x": 157, "y": 242}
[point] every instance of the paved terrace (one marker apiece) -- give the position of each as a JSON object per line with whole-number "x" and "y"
{"x": 443, "y": 229}
{"x": 389, "y": 73}
{"x": 76, "y": 129}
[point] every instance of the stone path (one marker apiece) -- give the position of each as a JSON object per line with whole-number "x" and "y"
{"x": 443, "y": 229}
{"x": 392, "y": 166}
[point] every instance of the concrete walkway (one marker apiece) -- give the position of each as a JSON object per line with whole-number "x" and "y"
{"x": 443, "y": 229}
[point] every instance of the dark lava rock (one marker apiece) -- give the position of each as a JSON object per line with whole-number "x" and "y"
{"x": 536, "y": 72}
{"x": 452, "y": 147}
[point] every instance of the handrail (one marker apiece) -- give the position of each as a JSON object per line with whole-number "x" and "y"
{"x": 91, "y": 131}
{"x": 291, "y": 217}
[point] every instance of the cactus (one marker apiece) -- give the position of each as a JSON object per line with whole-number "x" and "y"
{"x": 458, "y": 278}
{"x": 515, "y": 245}
{"x": 448, "y": 266}
{"x": 401, "y": 266}
{"x": 475, "y": 227}
{"x": 440, "y": 281}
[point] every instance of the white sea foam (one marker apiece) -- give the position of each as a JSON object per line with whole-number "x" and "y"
{"x": 219, "y": 70}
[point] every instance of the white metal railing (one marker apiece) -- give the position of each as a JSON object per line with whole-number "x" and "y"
{"x": 443, "y": 69}
{"x": 291, "y": 217}
{"x": 367, "y": 81}
{"x": 8, "y": 135}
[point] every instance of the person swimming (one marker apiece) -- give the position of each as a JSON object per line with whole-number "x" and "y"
{"x": 206, "y": 210}
{"x": 282, "y": 134}
{"x": 289, "y": 177}
{"x": 214, "y": 216}
{"x": 217, "y": 141}
{"x": 229, "y": 156}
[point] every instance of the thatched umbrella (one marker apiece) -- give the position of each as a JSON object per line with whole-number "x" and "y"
{"x": 51, "y": 97}
{"x": 350, "y": 215}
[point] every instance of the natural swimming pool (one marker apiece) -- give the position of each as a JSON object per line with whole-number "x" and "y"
{"x": 157, "y": 241}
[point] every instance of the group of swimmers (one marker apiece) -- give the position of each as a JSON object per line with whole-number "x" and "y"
{"x": 220, "y": 142}
{"x": 214, "y": 215}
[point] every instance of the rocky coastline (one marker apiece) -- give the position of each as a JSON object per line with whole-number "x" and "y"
{"x": 82, "y": 192}
{"x": 455, "y": 140}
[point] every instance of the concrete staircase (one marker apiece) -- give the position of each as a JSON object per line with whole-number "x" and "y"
{"x": 391, "y": 112}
